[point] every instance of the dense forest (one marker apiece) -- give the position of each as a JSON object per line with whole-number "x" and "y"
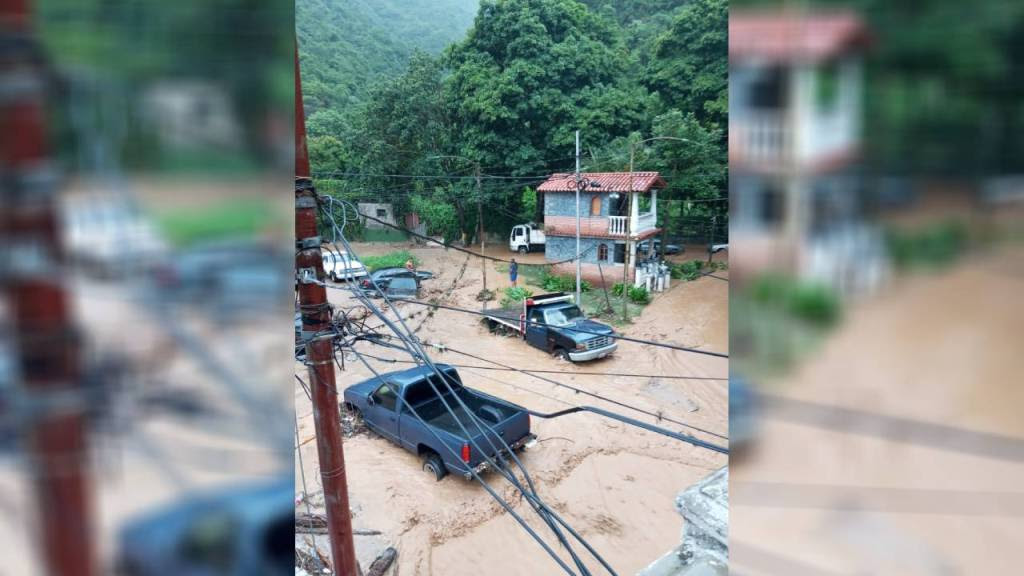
{"x": 506, "y": 98}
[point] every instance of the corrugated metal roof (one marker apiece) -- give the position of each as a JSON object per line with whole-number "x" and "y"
{"x": 787, "y": 35}
{"x": 609, "y": 182}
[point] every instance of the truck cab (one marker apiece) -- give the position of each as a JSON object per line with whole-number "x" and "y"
{"x": 526, "y": 238}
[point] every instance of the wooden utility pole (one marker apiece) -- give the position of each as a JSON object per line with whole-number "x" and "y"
{"x": 316, "y": 319}
{"x": 48, "y": 345}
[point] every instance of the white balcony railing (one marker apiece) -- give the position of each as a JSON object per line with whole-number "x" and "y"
{"x": 617, "y": 225}
{"x": 643, "y": 222}
{"x": 761, "y": 138}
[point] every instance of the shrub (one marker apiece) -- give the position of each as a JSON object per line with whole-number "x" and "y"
{"x": 389, "y": 260}
{"x": 562, "y": 283}
{"x": 933, "y": 246}
{"x": 636, "y": 294}
{"x": 514, "y": 295}
{"x": 810, "y": 302}
{"x": 639, "y": 294}
{"x": 689, "y": 270}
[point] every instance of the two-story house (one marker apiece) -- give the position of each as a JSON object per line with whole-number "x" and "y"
{"x": 795, "y": 115}
{"x": 605, "y": 215}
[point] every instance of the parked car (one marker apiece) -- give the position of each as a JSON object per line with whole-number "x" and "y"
{"x": 553, "y": 323}
{"x": 644, "y": 247}
{"x": 339, "y": 265}
{"x": 384, "y": 403}
{"x": 237, "y": 531}
{"x": 236, "y": 271}
{"x": 389, "y": 272}
{"x": 108, "y": 235}
{"x": 397, "y": 282}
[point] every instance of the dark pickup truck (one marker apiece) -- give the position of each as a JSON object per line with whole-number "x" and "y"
{"x": 553, "y": 323}
{"x": 439, "y": 440}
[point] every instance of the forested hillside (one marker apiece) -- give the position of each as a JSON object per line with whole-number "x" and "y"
{"x": 348, "y": 45}
{"x": 508, "y": 95}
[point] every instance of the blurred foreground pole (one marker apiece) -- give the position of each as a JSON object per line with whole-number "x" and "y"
{"x": 316, "y": 319}
{"x": 48, "y": 355}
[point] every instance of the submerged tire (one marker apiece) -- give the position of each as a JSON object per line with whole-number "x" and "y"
{"x": 523, "y": 249}
{"x": 434, "y": 465}
{"x": 563, "y": 354}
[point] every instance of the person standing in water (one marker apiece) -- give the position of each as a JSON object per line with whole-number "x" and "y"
{"x": 513, "y": 271}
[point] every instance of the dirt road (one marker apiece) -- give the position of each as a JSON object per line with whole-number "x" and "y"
{"x": 614, "y": 483}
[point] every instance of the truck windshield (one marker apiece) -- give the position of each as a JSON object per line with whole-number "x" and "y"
{"x": 563, "y": 316}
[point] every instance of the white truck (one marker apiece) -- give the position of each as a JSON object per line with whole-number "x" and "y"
{"x": 526, "y": 238}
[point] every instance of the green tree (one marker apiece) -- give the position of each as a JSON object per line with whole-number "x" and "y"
{"x": 529, "y": 74}
{"x": 689, "y": 69}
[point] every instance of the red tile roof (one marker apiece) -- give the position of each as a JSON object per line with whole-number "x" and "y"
{"x": 609, "y": 181}
{"x": 787, "y": 35}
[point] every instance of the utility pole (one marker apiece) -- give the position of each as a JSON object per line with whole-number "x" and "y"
{"x": 48, "y": 352}
{"x": 629, "y": 218}
{"x": 480, "y": 225}
{"x": 316, "y": 319}
{"x": 579, "y": 183}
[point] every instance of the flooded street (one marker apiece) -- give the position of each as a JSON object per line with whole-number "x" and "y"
{"x": 614, "y": 483}
{"x": 898, "y": 449}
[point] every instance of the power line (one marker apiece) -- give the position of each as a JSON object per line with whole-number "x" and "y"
{"x": 580, "y": 330}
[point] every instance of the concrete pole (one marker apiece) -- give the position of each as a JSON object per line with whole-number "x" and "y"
{"x": 579, "y": 182}
{"x": 480, "y": 224}
{"x": 48, "y": 350}
{"x": 627, "y": 256}
{"x": 316, "y": 319}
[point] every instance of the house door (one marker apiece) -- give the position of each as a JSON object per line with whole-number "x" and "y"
{"x": 620, "y": 253}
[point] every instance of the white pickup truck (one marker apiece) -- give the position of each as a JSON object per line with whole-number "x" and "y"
{"x": 339, "y": 265}
{"x": 526, "y": 238}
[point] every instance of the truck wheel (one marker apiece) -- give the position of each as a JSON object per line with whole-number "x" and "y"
{"x": 523, "y": 249}
{"x": 563, "y": 354}
{"x": 435, "y": 466}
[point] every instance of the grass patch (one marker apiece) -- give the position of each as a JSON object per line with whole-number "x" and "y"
{"x": 934, "y": 246}
{"x": 222, "y": 220}
{"x": 383, "y": 235}
{"x": 813, "y": 303}
{"x": 395, "y": 259}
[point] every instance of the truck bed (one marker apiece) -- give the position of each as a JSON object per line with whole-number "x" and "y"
{"x": 434, "y": 413}
{"x": 505, "y": 316}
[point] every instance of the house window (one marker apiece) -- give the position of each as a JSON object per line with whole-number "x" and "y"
{"x": 827, "y": 87}
{"x": 602, "y": 252}
{"x": 382, "y": 213}
{"x": 772, "y": 206}
{"x": 769, "y": 91}
{"x": 595, "y": 206}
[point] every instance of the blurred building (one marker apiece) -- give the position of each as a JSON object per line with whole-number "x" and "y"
{"x": 188, "y": 113}
{"x": 795, "y": 116}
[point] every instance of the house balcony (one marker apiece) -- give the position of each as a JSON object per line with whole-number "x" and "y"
{"x": 616, "y": 225}
{"x": 761, "y": 139}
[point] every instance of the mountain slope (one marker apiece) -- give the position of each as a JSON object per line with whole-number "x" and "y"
{"x": 346, "y": 46}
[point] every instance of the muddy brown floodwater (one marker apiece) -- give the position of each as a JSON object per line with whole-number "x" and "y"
{"x": 615, "y": 484}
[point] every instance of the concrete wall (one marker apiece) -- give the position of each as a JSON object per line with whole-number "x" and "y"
{"x": 561, "y": 248}
{"x": 371, "y": 208}
{"x": 564, "y": 204}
